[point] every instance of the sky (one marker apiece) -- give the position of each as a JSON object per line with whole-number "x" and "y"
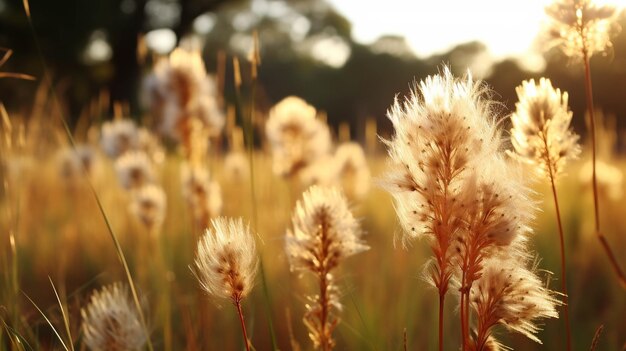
{"x": 509, "y": 28}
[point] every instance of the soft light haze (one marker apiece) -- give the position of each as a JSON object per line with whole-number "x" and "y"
{"x": 508, "y": 28}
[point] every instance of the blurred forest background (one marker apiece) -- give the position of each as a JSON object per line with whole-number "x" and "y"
{"x": 306, "y": 49}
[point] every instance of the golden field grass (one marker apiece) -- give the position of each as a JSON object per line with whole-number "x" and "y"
{"x": 61, "y": 234}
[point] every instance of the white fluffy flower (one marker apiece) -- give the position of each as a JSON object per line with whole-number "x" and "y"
{"x": 149, "y": 205}
{"x": 111, "y": 322}
{"x": 324, "y": 230}
{"x": 134, "y": 170}
{"x": 297, "y": 138}
{"x": 118, "y": 136}
{"x": 226, "y": 259}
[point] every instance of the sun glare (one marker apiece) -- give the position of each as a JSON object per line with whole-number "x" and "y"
{"x": 508, "y": 28}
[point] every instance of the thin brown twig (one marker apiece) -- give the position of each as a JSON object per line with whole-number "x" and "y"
{"x": 243, "y": 324}
{"x": 592, "y": 128}
{"x": 405, "y": 343}
{"x": 596, "y": 337}
{"x": 563, "y": 270}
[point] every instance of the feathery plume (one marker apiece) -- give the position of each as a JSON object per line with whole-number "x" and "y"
{"x": 541, "y": 136}
{"x": 134, "y": 170}
{"x": 118, "y": 137}
{"x": 226, "y": 263}
{"x": 541, "y": 133}
{"x": 226, "y": 259}
{"x": 203, "y": 195}
{"x": 179, "y": 90}
{"x": 110, "y": 321}
{"x": 353, "y": 170}
{"x": 72, "y": 162}
{"x": 296, "y": 136}
{"x": 150, "y": 144}
{"x": 507, "y": 293}
{"x": 580, "y": 27}
{"x": 324, "y": 233}
{"x": 443, "y": 129}
{"x": 148, "y": 206}
{"x": 236, "y": 166}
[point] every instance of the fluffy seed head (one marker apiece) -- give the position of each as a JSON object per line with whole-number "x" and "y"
{"x": 203, "y": 195}
{"x": 324, "y": 231}
{"x": 510, "y": 294}
{"x": 179, "y": 89}
{"x": 236, "y": 166}
{"x": 110, "y": 321}
{"x": 149, "y": 205}
{"x": 118, "y": 136}
{"x": 496, "y": 213}
{"x": 354, "y": 172}
{"x": 134, "y": 170}
{"x": 541, "y": 133}
{"x": 296, "y": 136}
{"x": 72, "y": 162}
{"x": 443, "y": 130}
{"x": 580, "y": 25}
{"x": 226, "y": 260}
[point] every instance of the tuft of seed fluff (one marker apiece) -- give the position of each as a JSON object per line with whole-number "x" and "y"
{"x": 324, "y": 233}
{"x": 322, "y": 208}
{"x": 110, "y": 321}
{"x": 581, "y": 27}
{"x": 297, "y": 137}
{"x": 443, "y": 131}
{"x": 226, "y": 261}
{"x": 512, "y": 295}
{"x": 134, "y": 169}
{"x": 118, "y": 137}
{"x": 149, "y": 207}
{"x": 541, "y": 133}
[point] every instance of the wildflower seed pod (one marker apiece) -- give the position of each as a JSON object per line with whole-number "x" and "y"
{"x": 226, "y": 260}
{"x": 110, "y": 321}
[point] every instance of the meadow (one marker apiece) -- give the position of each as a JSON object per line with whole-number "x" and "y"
{"x": 126, "y": 198}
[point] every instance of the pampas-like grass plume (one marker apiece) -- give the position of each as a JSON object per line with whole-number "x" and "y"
{"x": 541, "y": 136}
{"x": 110, "y": 321}
{"x": 134, "y": 170}
{"x": 118, "y": 137}
{"x": 324, "y": 233}
{"x": 297, "y": 138}
{"x": 442, "y": 131}
{"x": 226, "y": 259}
{"x": 509, "y": 294}
{"x": 148, "y": 206}
{"x": 226, "y": 262}
{"x": 203, "y": 195}
{"x": 541, "y": 133}
{"x": 180, "y": 90}
{"x": 580, "y": 27}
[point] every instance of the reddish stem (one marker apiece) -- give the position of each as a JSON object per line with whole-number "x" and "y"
{"x": 243, "y": 324}
{"x": 442, "y": 298}
{"x": 563, "y": 271}
{"x": 592, "y": 126}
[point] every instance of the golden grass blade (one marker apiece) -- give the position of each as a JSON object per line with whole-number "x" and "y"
{"x": 116, "y": 242}
{"x": 47, "y": 320}
{"x": 17, "y": 341}
{"x": 66, "y": 320}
